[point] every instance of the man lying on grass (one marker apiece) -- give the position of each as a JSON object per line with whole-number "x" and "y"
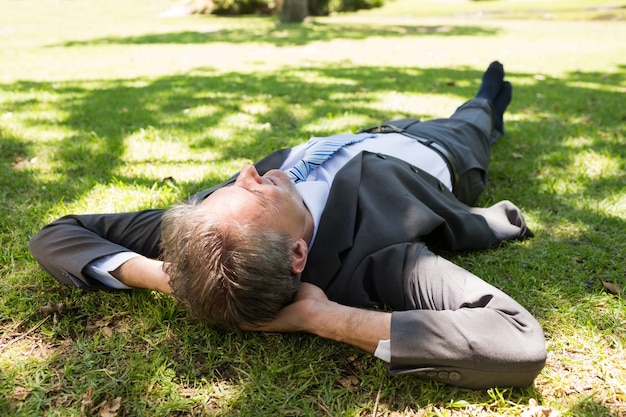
{"x": 334, "y": 237}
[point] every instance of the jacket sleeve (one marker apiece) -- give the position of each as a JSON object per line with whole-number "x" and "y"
{"x": 460, "y": 330}
{"x": 66, "y": 246}
{"x": 474, "y": 228}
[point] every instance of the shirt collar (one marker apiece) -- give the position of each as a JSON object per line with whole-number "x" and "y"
{"x": 314, "y": 194}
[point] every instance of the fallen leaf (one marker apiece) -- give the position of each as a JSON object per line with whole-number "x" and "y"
{"x": 535, "y": 410}
{"x": 350, "y": 382}
{"x": 53, "y": 308}
{"x": 516, "y": 155}
{"x": 86, "y": 402}
{"x": 18, "y": 161}
{"x": 116, "y": 404}
{"x": 61, "y": 401}
{"x": 20, "y": 393}
{"x": 111, "y": 409}
{"x": 291, "y": 412}
{"x": 101, "y": 323}
{"x": 611, "y": 288}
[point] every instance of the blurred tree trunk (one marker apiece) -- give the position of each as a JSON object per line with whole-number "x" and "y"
{"x": 294, "y": 11}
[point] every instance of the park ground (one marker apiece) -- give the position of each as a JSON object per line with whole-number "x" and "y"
{"x": 125, "y": 105}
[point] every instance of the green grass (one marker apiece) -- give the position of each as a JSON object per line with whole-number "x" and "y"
{"x": 101, "y": 99}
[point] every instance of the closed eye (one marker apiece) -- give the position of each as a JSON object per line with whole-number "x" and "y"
{"x": 259, "y": 196}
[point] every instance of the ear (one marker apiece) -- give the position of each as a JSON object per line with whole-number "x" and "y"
{"x": 299, "y": 254}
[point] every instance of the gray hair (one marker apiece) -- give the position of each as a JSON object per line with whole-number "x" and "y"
{"x": 226, "y": 274}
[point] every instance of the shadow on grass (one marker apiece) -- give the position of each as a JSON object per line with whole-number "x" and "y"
{"x": 104, "y": 115}
{"x": 267, "y": 32}
{"x": 552, "y": 115}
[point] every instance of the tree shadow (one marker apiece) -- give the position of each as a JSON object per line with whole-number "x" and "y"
{"x": 103, "y": 117}
{"x": 267, "y": 32}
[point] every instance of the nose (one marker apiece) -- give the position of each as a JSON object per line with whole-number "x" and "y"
{"x": 248, "y": 176}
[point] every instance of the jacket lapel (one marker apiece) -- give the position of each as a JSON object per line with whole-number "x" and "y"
{"x": 336, "y": 228}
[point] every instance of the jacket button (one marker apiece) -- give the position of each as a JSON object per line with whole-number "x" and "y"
{"x": 415, "y": 169}
{"x": 381, "y": 156}
{"x": 441, "y": 186}
{"x": 455, "y": 376}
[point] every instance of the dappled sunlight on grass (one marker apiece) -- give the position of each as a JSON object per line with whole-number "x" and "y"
{"x": 24, "y": 354}
{"x": 601, "y": 86}
{"x": 256, "y": 108}
{"x": 264, "y": 31}
{"x": 150, "y": 144}
{"x": 595, "y": 166}
{"x": 118, "y": 196}
{"x": 615, "y": 205}
{"x": 108, "y": 107}
{"x": 424, "y": 105}
{"x": 338, "y": 123}
{"x": 310, "y": 76}
{"x": 202, "y": 111}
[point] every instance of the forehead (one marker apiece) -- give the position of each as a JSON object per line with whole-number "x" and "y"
{"x": 234, "y": 202}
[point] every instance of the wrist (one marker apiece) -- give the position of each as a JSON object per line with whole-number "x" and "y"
{"x": 142, "y": 272}
{"x": 321, "y": 317}
{"x": 361, "y": 328}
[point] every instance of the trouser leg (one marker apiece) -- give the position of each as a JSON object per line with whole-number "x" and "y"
{"x": 468, "y": 134}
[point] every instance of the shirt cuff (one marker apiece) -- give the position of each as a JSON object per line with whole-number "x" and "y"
{"x": 383, "y": 350}
{"x": 100, "y": 269}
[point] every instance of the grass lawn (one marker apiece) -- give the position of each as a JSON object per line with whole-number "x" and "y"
{"x": 123, "y": 105}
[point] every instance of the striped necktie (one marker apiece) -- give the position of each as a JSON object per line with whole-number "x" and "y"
{"x": 320, "y": 150}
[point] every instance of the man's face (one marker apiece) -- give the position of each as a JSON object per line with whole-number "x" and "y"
{"x": 270, "y": 202}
